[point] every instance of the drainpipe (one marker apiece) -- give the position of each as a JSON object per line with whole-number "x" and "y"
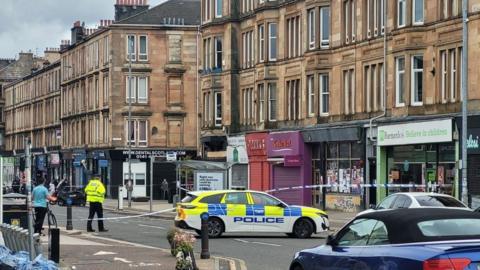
{"x": 197, "y": 92}
{"x": 384, "y": 74}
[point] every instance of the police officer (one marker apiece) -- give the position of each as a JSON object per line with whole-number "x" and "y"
{"x": 95, "y": 191}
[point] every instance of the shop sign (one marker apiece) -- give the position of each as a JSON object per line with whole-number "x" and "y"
{"x": 40, "y": 163}
{"x": 209, "y": 181}
{"x": 415, "y": 133}
{"x": 292, "y": 161}
{"x": 8, "y": 161}
{"x": 256, "y": 144}
{"x": 171, "y": 156}
{"x": 143, "y": 154}
{"x": 236, "y": 150}
{"x": 55, "y": 159}
{"x": 473, "y": 140}
{"x": 284, "y": 144}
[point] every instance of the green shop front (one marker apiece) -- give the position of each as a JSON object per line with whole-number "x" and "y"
{"x": 417, "y": 156}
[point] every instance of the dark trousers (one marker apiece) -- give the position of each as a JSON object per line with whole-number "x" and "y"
{"x": 39, "y": 217}
{"x": 95, "y": 207}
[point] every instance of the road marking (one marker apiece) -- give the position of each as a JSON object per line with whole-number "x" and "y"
{"x": 243, "y": 241}
{"x": 121, "y": 260}
{"x": 258, "y": 243}
{"x": 267, "y": 244}
{"x": 150, "y": 226}
{"x": 104, "y": 253}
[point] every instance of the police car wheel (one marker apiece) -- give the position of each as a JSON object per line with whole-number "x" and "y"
{"x": 215, "y": 227}
{"x": 303, "y": 228}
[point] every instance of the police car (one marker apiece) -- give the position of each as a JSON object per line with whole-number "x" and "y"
{"x": 247, "y": 211}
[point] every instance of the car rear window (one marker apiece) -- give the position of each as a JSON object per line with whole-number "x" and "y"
{"x": 450, "y": 227}
{"x": 438, "y": 201}
{"x": 189, "y": 198}
{"x": 217, "y": 198}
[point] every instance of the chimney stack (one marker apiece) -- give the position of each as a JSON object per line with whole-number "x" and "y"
{"x": 77, "y": 32}
{"x": 128, "y": 8}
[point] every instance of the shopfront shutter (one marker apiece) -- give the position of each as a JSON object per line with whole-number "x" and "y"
{"x": 240, "y": 176}
{"x": 256, "y": 176}
{"x": 473, "y": 174}
{"x": 287, "y": 177}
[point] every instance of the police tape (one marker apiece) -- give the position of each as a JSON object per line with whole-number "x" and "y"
{"x": 359, "y": 186}
{"x": 121, "y": 217}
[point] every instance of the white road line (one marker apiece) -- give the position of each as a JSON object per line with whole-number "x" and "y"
{"x": 258, "y": 243}
{"x": 243, "y": 241}
{"x": 150, "y": 226}
{"x": 267, "y": 244}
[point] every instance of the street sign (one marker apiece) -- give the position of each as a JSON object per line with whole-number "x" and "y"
{"x": 69, "y": 201}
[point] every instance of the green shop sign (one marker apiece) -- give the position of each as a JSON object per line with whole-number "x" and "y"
{"x": 415, "y": 133}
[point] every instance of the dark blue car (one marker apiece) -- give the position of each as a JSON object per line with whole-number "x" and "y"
{"x": 403, "y": 239}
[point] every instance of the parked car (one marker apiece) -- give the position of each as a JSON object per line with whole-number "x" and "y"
{"x": 76, "y": 195}
{"x": 413, "y": 239}
{"x": 416, "y": 200}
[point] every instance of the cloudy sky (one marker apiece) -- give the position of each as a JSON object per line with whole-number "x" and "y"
{"x": 37, "y": 24}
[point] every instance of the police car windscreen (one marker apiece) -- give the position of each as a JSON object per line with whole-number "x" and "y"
{"x": 188, "y": 198}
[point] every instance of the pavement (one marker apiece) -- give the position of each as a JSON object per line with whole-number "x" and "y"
{"x": 85, "y": 251}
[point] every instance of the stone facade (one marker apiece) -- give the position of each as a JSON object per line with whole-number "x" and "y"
{"x": 351, "y": 57}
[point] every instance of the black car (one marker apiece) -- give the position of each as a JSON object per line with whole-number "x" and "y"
{"x": 76, "y": 195}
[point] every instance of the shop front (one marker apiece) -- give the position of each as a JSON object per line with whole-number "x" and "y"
{"x": 417, "y": 156}
{"x": 473, "y": 159}
{"x": 258, "y": 166}
{"x": 338, "y": 166}
{"x": 237, "y": 160}
{"x": 289, "y": 167}
{"x": 140, "y": 169}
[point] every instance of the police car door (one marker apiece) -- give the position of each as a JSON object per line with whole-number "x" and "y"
{"x": 236, "y": 220}
{"x": 269, "y": 214}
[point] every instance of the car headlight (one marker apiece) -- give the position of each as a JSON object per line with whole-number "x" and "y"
{"x": 322, "y": 214}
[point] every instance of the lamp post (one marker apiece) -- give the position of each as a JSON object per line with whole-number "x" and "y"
{"x": 69, "y": 225}
{"x": 28, "y": 178}
{"x": 464, "y": 101}
{"x": 129, "y": 125}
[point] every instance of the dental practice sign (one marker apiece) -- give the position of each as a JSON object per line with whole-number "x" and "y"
{"x": 415, "y": 133}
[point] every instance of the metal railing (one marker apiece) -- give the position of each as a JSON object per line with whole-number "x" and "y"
{"x": 16, "y": 239}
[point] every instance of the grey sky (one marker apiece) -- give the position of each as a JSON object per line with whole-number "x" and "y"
{"x": 37, "y": 24}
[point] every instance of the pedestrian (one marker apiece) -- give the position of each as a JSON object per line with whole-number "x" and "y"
{"x": 40, "y": 200}
{"x": 95, "y": 191}
{"x": 164, "y": 188}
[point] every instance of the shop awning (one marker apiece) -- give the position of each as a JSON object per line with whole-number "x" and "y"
{"x": 332, "y": 134}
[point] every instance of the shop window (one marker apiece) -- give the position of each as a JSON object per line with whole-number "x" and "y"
{"x": 417, "y": 80}
{"x": 345, "y": 167}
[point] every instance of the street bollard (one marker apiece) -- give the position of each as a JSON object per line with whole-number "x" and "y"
{"x": 54, "y": 245}
{"x": 69, "y": 226}
{"x": 120, "y": 197}
{"x": 205, "y": 254}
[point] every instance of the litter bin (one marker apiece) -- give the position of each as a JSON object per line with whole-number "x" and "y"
{"x": 15, "y": 209}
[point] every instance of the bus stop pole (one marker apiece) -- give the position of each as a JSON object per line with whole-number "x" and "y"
{"x": 1, "y": 193}
{"x": 151, "y": 183}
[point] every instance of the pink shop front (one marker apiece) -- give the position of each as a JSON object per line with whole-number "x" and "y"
{"x": 290, "y": 166}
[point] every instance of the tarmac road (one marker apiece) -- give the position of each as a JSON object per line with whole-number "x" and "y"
{"x": 258, "y": 251}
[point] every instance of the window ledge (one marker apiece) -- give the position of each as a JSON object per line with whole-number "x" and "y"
{"x": 174, "y": 68}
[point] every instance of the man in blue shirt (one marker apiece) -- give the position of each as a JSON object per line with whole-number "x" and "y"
{"x": 40, "y": 200}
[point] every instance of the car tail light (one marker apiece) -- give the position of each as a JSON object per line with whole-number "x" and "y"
{"x": 446, "y": 264}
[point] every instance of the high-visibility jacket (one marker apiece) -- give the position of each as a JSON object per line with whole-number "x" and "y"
{"x": 95, "y": 191}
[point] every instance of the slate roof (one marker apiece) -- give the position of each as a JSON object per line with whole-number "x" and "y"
{"x": 172, "y": 12}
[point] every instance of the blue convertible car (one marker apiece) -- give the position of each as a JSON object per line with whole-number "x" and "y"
{"x": 403, "y": 239}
